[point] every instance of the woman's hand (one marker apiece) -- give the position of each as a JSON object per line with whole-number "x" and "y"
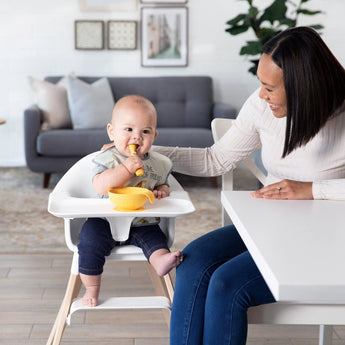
{"x": 286, "y": 189}
{"x": 106, "y": 146}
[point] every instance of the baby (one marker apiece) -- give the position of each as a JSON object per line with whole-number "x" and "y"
{"x": 133, "y": 122}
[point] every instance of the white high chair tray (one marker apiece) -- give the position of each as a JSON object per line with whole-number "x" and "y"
{"x": 176, "y": 205}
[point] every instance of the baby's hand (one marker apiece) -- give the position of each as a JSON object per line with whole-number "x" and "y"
{"x": 161, "y": 191}
{"x": 133, "y": 163}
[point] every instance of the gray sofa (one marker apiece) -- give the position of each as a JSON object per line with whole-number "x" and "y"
{"x": 185, "y": 107}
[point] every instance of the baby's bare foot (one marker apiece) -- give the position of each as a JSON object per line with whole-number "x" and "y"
{"x": 92, "y": 286}
{"x": 164, "y": 261}
{"x": 90, "y": 297}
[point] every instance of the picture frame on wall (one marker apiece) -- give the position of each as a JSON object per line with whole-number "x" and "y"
{"x": 163, "y": 1}
{"x": 89, "y": 34}
{"x": 164, "y": 36}
{"x": 122, "y": 34}
{"x": 108, "y": 5}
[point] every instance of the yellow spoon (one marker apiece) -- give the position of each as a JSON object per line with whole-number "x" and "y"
{"x": 132, "y": 149}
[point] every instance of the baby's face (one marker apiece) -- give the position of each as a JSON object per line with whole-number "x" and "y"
{"x": 133, "y": 125}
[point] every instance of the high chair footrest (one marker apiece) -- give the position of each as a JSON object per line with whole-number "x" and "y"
{"x": 149, "y": 302}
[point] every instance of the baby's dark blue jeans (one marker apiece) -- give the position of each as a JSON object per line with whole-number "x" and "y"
{"x": 96, "y": 242}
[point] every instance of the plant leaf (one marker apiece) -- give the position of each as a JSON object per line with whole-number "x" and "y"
{"x": 288, "y": 22}
{"x": 275, "y": 18}
{"x": 236, "y": 30}
{"x": 253, "y": 12}
{"x": 236, "y": 20}
{"x": 253, "y": 69}
{"x": 252, "y": 48}
{"x": 266, "y": 34}
{"x": 276, "y": 11}
{"x": 317, "y": 27}
{"x": 308, "y": 12}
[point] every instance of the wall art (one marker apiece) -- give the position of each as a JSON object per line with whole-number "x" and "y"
{"x": 122, "y": 34}
{"x": 108, "y": 5}
{"x": 164, "y": 36}
{"x": 89, "y": 34}
{"x": 163, "y": 1}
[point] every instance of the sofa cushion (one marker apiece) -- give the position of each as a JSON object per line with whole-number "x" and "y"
{"x": 90, "y": 105}
{"x": 184, "y": 137}
{"x": 184, "y": 102}
{"x": 180, "y": 101}
{"x": 52, "y": 101}
{"x": 71, "y": 143}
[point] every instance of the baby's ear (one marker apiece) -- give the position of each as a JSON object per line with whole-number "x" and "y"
{"x": 110, "y": 131}
{"x": 156, "y": 133}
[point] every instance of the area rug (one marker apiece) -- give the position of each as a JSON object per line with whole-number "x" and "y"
{"x": 27, "y": 227}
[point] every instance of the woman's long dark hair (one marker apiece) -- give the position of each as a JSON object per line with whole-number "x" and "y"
{"x": 314, "y": 82}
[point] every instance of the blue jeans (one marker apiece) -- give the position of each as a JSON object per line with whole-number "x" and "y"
{"x": 96, "y": 242}
{"x": 215, "y": 285}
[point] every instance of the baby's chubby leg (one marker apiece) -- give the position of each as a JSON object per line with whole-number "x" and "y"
{"x": 163, "y": 261}
{"x": 92, "y": 286}
{"x": 95, "y": 243}
{"x": 154, "y": 245}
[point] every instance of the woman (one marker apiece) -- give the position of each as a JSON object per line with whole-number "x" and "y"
{"x": 297, "y": 116}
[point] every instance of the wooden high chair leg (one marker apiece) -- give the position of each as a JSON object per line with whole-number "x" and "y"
{"x": 72, "y": 291}
{"x": 163, "y": 287}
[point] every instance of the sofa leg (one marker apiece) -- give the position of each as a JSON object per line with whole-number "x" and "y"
{"x": 46, "y": 179}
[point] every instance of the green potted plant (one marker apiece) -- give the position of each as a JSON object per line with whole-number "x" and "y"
{"x": 266, "y": 23}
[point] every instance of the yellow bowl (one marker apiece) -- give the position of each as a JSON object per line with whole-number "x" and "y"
{"x": 130, "y": 198}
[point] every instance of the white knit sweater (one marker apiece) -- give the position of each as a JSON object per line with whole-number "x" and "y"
{"x": 321, "y": 161}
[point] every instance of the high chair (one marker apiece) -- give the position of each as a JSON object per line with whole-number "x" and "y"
{"x": 74, "y": 199}
{"x": 280, "y": 313}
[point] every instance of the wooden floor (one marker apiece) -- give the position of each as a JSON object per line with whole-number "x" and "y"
{"x": 32, "y": 287}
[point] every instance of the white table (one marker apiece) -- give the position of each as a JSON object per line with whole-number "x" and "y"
{"x": 298, "y": 245}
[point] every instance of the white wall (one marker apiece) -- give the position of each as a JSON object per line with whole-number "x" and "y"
{"x": 37, "y": 38}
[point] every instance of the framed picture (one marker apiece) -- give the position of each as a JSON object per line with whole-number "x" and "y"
{"x": 108, "y": 5}
{"x": 163, "y": 1}
{"x": 89, "y": 34}
{"x": 164, "y": 36}
{"x": 122, "y": 34}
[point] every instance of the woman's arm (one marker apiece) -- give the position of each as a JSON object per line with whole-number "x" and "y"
{"x": 235, "y": 146}
{"x": 208, "y": 161}
{"x": 329, "y": 189}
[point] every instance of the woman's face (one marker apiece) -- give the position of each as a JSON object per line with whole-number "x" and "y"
{"x": 272, "y": 86}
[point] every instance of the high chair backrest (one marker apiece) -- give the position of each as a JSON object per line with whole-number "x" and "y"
{"x": 219, "y": 127}
{"x": 77, "y": 182}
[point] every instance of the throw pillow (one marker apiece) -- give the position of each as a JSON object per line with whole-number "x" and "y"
{"x": 52, "y": 100}
{"x": 90, "y": 105}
